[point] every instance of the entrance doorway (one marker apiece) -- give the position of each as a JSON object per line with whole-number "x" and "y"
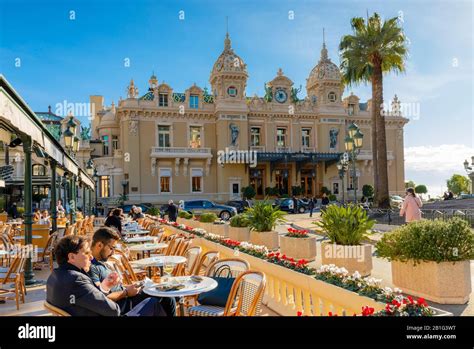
{"x": 257, "y": 181}
{"x": 307, "y": 183}
{"x": 282, "y": 180}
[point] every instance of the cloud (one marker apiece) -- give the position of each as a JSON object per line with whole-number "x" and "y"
{"x": 433, "y": 165}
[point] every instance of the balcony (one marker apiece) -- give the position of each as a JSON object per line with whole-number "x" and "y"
{"x": 180, "y": 152}
{"x": 283, "y": 149}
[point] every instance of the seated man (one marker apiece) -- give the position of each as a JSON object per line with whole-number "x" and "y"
{"x": 103, "y": 245}
{"x": 71, "y": 289}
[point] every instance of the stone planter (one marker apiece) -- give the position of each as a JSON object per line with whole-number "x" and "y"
{"x": 353, "y": 258}
{"x": 444, "y": 283}
{"x": 298, "y": 248}
{"x": 208, "y": 227}
{"x": 270, "y": 239}
{"x": 239, "y": 234}
{"x": 221, "y": 229}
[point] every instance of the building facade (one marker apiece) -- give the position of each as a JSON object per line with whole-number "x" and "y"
{"x": 162, "y": 145}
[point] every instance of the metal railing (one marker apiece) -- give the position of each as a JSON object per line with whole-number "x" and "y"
{"x": 392, "y": 216}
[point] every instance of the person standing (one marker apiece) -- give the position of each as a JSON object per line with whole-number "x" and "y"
{"x": 13, "y": 211}
{"x": 324, "y": 202}
{"x": 311, "y": 204}
{"x": 295, "y": 204}
{"x": 172, "y": 211}
{"x": 411, "y": 206}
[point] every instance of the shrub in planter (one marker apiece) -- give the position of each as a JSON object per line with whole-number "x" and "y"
{"x": 263, "y": 218}
{"x": 207, "y": 221}
{"x": 239, "y": 229}
{"x": 346, "y": 228}
{"x": 298, "y": 244}
{"x": 184, "y": 217}
{"x": 153, "y": 211}
{"x": 431, "y": 259}
{"x": 248, "y": 192}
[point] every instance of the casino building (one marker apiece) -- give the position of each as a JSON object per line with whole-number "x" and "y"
{"x": 161, "y": 144}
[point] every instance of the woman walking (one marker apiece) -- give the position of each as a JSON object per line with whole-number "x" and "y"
{"x": 411, "y": 206}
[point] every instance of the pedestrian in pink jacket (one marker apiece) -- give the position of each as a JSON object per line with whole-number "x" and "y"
{"x": 411, "y": 206}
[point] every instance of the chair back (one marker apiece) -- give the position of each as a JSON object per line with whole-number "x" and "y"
{"x": 230, "y": 267}
{"x": 185, "y": 245}
{"x": 115, "y": 262}
{"x": 55, "y": 311}
{"x": 205, "y": 261}
{"x": 192, "y": 255}
{"x": 247, "y": 293}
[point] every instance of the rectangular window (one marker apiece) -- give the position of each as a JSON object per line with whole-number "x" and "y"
{"x": 196, "y": 180}
{"x": 115, "y": 142}
{"x": 350, "y": 185}
{"x": 104, "y": 186}
{"x": 281, "y": 137}
{"x": 164, "y": 136}
{"x": 351, "y": 109}
{"x": 193, "y": 101}
{"x": 163, "y": 100}
{"x": 105, "y": 145}
{"x": 165, "y": 180}
{"x": 255, "y": 136}
{"x": 306, "y": 137}
{"x": 195, "y": 136}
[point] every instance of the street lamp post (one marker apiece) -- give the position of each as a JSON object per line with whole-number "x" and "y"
{"x": 353, "y": 144}
{"x": 342, "y": 166}
{"x": 96, "y": 180}
{"x": 470, "y": 172}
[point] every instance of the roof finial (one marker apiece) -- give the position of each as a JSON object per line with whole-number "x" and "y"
{"x": 324, "y": 51}
{"x": 227, "y": 39}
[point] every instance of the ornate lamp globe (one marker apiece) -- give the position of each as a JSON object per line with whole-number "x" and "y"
{"x": 68, "y": 138}
{"x": 349, "y": 143}
{"x": 358, "y": 139}
{"x": 90, "y": 168}
{"x": 352, "y": 129}
{"x": 71, "y": 124}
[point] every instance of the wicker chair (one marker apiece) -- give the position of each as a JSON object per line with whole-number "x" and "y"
{"x": 15, "y": 276}
{"x": 205, "y": 261}
{"x": 192, "y": 255}
{"x": 55, "y": 311}
{"x": 245, "y": 298}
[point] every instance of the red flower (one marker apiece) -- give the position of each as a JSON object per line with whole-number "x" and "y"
{"x": 299, "y": 313}
{"x": 410, "y": 298}
{"x": 367, "y": 311}
{"x": 422, "y": 302}
{"x": 331, "y": 314}
{"x": 396, "y": 303}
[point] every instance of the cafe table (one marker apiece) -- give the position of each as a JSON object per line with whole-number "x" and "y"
{"x": 158, "y": 261}
{"x": 136, "y": 232}
{"x": 191, "y": 288}
{"x": 139, "y": 239}
{"x": 147, "y": 247}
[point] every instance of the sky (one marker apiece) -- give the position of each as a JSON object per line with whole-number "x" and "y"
{"x": 56, "y": 52}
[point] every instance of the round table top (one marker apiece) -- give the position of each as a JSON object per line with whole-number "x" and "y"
{"x": 21, "y": 237}
{"x": 137, "y": 232}
{"x": 139, "y": 239}
{"x": 191, "y": 288}
{"x": 158, "y": 261}
{"x": 147, "y": 247}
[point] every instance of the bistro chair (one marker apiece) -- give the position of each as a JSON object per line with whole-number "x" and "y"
{"x": 205, "y": 261}
{"x": 48, "y": 251}
{"x": 15, "y": 277}
{"x": 55, "y": 311}
{"x": 192, "y": 255}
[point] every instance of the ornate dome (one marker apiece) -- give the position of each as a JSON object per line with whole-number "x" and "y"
{"x": 228, "y": 61}
{"x": 324, "y": 70}
{"x": 109, "y": 119}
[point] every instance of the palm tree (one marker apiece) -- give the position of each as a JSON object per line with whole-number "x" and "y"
{"x": 376, "y": 47}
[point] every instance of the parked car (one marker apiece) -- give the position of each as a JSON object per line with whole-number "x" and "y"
{"x": 287, "y": 205}
{"x": 198, "y": 207}
{"x": 396, "y": 201}
{"x": 126, "y": 208}
{"x": 240, "y": 205}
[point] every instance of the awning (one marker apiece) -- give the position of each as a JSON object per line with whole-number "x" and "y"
{"x": 18, "y": 117}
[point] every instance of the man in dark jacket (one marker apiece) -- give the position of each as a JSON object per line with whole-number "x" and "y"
{"x": 172, "y": 211}
{"x": 311, "y": 204}
{"x": 295, "y": 204}
{"x": 71, "y": 289}
{"x": 115, "y": 220}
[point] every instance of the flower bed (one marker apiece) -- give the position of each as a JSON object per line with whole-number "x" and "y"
{"x": 396, "y": 303}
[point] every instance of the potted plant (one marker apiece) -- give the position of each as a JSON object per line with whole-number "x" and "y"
{"x": 298, "y": 244}
{"x": 248, "y": 192}
{"x": 153, "y": 211}
{"x": 207, "y": 221}
{"x": 263, "y": 218}
{"x": 431, "y": 259}
{"x": 346, "y": 228}
{"x": 239, "y": 229}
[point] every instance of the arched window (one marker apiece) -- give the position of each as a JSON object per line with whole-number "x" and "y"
{"x": 39, "y": 170}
